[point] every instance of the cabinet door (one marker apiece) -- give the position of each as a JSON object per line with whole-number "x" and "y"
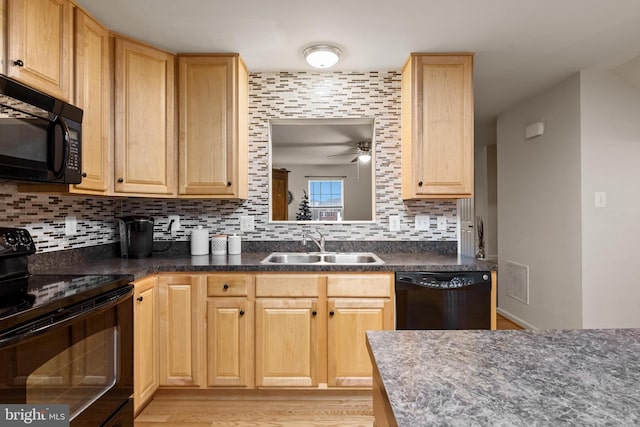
{"x": 145, "y": 340}
{"x": 229, "y": 342}
{"x": 39, "y": 41}
{"x": 212, "y": 145}
{"x": 349, "y": 319}
{"x": 181, "y": 329}
{"x": 286, "y": 342}
{"x": 92, "y": 94}
{"x": 144, "y": 119}
{"x": 437, "y": 126}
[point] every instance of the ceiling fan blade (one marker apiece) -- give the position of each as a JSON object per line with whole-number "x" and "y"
{"x": 344, "y": 154}
{"x": 355, "y": 159}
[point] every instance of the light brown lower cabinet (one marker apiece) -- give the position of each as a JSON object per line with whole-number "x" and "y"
{"x": 182, "y": 328}
{"x": 356, "y": 303}
{"x": 310, "y": 328}
{"x": 266, "y": 330}
{"x": 230, "y": 322}
{"x": 287, "y": 324}
{"x": 145, "y": 339}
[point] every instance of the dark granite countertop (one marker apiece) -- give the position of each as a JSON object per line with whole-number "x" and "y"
{"x": 247, "y": 261}
{"x": 510, "y": 378}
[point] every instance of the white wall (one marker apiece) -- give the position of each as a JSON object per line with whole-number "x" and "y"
{"x": 610, "y": 129}
{"x": 539, "y": 204}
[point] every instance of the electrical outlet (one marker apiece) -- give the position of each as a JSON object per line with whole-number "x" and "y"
{"x": 422, "y": 222}
{"x": 175, "y": 225}
{"x": 442, "y": 223}
{"x": 394, "y": 223}
{"x": 70, "y": 226}
{"x": 247, "y": 223}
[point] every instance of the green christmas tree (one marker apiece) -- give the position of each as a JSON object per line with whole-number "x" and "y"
{"x": 304, "y": 213}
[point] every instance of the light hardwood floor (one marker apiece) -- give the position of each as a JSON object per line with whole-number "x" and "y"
{"x": 303, "y": 411}
{"x": 347, "y": 410}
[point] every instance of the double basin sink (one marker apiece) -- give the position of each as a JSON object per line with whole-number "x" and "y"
{"x": 326, "y": 258}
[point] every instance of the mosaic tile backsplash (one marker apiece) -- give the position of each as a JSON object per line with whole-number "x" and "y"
{"x": 271, "y": 96}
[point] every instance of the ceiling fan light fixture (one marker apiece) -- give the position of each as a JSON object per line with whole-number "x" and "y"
{"x": 365, "y": 157}
{"x": 322, "y": 55}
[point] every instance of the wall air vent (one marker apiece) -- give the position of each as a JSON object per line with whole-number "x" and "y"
{"x": 518, "y": 281}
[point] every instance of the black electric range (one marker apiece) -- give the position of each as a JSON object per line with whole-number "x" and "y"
{"x": 65, "y": 340}
{"x": 25, "y": 296}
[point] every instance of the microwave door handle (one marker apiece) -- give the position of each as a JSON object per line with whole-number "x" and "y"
{"x": 58, "y": 170}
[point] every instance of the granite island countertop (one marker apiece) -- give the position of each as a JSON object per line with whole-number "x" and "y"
{"x": 509, "y": 378}
{"x": 247, "y": 261}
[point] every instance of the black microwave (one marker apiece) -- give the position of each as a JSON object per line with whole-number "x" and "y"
{"x": 40, "y": 136}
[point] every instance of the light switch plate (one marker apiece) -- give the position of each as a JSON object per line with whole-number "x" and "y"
{"x": 70, "y": 226}
{"x": 600, "y": 199}
{"x": 394, "y": 223}
{"x": 442, "y": 223}
{"x": 422, "y": 222}
{"x": 246, "y": 223}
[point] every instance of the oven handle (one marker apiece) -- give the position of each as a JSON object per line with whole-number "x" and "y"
{"x": 65, "y": 316}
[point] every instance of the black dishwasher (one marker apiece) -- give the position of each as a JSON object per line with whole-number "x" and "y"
{"x": 451, "y": 300}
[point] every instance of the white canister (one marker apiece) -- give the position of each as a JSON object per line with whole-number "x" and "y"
{"x": 219, "y": 245}
{"x": 200, "y": 241}
{"x": 235, "y": 245}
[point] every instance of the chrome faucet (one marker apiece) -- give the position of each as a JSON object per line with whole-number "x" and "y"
{"x": 319, "y": 243}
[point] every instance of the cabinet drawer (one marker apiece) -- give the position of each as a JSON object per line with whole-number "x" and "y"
{"x": 288, "y": 285}
{"x": 359, "y": 285}
{"x": 228, "y": 285}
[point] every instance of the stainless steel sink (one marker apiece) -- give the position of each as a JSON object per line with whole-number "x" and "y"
{"x": 293, "y": 258}
{"x": 316, "y": 258}
{"x": 351, "y": 259}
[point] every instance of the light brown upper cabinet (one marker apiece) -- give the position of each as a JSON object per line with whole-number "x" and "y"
{"x": 93, "y": 95}
{"x": 39, "y": 43}
{"x": 145, "y": 138}
{"x": 213, "y": 126}
{"x": 437, "y": 126}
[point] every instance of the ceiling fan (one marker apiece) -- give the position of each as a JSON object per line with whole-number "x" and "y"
{"x": 362, "y": 153}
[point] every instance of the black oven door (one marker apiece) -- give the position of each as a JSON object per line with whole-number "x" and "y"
{"x": 84, "y": 360}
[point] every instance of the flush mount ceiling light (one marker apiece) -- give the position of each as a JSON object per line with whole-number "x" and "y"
{"x": 322, "y": 55}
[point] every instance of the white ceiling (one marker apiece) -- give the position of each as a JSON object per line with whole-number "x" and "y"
{"x": 521, "y": 46}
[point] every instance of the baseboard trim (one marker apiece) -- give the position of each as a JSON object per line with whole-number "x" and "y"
{"x": 261, "y": 394}
{"x": 515, "y": 319}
